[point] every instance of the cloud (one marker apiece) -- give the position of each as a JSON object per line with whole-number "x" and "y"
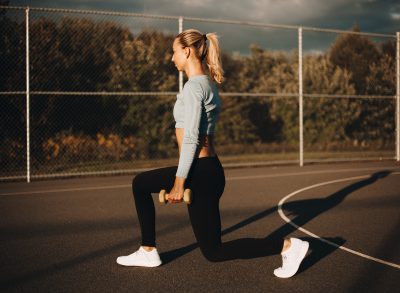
{"x": 273, "y": 11}
{"x": 381, "y": 16}
{"x": 283, "y": 11}
{"x": 335, "y": 14}
{"x": 395, "y": 16}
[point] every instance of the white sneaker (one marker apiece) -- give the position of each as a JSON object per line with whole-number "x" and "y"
{"x": 141, "y": 258}
{"x": 292, "y": 258}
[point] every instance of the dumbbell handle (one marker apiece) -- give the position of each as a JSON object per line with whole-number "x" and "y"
{"x": 187, "y": 196}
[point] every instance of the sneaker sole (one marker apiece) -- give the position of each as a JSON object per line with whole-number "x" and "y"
{"x": 138, "y": 265}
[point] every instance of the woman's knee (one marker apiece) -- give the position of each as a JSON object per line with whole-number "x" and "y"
{"x": 138, "y": 183}
{"x": 211, "y": 253}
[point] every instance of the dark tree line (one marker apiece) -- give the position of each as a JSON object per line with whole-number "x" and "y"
{"x": 82, "y": 55}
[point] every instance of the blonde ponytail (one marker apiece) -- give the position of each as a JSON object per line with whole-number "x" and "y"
{"x": 210, "y": 53}
{"x": 213, "y": 58}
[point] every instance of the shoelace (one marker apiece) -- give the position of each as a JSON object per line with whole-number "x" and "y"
{"x": 136, "y": 253}
{"x": 284, "y": 260}
{"x": 142, "y": 254}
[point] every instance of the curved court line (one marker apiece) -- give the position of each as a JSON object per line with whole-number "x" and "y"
{"x": 286, "y": 219}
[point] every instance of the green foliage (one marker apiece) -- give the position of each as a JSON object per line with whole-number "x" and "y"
{"x": 83, "y": 55}
{"x": 144, "y": 63}
{"x": 325, "y": 117}
{"x": 151, "y": 118}
{"x": 373, "y": 73}
{"x": 355, "y": 53}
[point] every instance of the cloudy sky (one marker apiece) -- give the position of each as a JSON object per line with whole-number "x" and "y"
{"x": 379, "y": 16}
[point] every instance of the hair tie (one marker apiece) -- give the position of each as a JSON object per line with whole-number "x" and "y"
{"x": 205, "y": 37}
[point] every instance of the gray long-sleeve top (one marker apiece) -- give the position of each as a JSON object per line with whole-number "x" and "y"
{"x": 196, "y": 110}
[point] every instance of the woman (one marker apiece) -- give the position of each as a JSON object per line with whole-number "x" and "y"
{"x": 196, "y": 111}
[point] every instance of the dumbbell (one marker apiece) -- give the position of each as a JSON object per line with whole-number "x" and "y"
{"x": 187, "y": 196}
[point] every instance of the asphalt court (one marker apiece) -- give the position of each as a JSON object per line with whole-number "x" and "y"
{"x": 64, "y": 235}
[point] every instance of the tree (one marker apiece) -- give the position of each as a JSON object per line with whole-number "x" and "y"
{"x": 325, "y": 119}
{"x": 354, "y": 53}
{"x": 372, "y": 74}
{"x": 144, "y": 64}
{"x": 243, "y": 119}
{"x": 12, "y": 78}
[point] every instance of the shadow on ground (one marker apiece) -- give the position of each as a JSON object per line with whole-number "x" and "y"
{"x": 301, "y": 212}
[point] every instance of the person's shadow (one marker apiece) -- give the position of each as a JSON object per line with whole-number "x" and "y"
{"x": 301, "y": 212}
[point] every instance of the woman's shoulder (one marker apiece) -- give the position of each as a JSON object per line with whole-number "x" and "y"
{"x": 195, "y": 85}
{"x": 200, "y": 82}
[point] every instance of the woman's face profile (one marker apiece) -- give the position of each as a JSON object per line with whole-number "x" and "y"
{"x": 179, "y": 56}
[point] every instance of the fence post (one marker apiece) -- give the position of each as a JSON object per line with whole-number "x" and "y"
{"x": 398, "y": 97}
{"x": 180, "y": 72}
{"x": 301, "y": 151}
{"x": 28, "y": 146}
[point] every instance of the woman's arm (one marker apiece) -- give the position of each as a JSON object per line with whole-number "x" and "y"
{"x": 192, "y": 95}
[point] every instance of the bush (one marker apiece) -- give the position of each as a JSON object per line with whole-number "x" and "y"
{"x": 68, "y": 148}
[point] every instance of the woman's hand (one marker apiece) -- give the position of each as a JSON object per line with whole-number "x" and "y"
{"x": 176, "y": 193}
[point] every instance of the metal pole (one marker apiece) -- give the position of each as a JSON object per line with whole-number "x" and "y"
{"x": 180, "y": 72}
{"x": 301, "y": 96}
{"x": 398, "y": 97}
{"x": 28, "y": 146}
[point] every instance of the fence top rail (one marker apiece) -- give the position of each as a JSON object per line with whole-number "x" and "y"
{"x": 209, "y": 20}
{"x": 227, "y": 94}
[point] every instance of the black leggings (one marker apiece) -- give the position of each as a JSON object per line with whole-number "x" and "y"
{"x": 206, "y": 179}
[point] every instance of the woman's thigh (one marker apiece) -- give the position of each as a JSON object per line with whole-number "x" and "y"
{"x": 207, "y": 182}
{"x": 206, "y": 223}
{"x": 154, "y": 180}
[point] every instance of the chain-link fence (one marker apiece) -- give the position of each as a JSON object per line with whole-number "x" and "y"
{"x": 89, "y": 92}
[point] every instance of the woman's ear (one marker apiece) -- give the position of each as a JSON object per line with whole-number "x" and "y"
{"x": 187, "y": 52}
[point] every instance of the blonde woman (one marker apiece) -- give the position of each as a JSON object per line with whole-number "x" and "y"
{"x": 196, "y": 112}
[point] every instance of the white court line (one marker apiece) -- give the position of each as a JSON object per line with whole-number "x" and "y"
{"x": 67, "y": 190}
{"x": 227, "y": 179}
{"x": 281, "y": 202}
{"x": 286, "y": 219}
{"x": 310, "y": 173}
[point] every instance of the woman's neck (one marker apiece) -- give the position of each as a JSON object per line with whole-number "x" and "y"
{"x": 194, "y": 68}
